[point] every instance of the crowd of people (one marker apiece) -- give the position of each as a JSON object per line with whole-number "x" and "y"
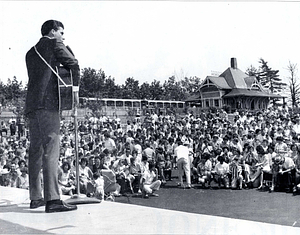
{"x": 252, "y": 150}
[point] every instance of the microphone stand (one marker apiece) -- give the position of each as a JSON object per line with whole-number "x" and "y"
{"x": 78, "y": 198}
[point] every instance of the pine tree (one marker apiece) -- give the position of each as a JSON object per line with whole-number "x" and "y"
{"x": 269, "y": 78}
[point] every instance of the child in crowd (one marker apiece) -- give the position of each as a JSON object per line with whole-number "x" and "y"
{"x": 66, "y": 180}
{"x": 168, "y": 168}
{"x": 23, "y": 179}
{"x": 235, "y": 171}
{"x": 161, "y": 163}
{"x": 221, "y": 172}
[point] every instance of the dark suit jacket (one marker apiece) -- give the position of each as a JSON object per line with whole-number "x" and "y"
{"x": 42, "y": 92}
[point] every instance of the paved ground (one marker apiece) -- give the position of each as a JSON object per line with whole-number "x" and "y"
{"x": 248, "y": 204}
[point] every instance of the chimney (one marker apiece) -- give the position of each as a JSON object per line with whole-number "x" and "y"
{"x": 233, "y": 63}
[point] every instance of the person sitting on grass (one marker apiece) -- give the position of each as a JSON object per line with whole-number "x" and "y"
{"x": 168, "y": 168}
{"x": 221, "y": 172}
{"x": 124, "y": 178}
{"x": 150, "y": 183}
{"x": 85, "y": 177}
{"x": 111, "y": 187}
{"x": 261, "y": 166}
{"x": 235, "y": 170}
{"x": 283, "y": 170}
{"x": 99, "y": 186}
{"x": 135, "y": 170}
{"x": 23, "y": 179}
{"x": 204, "y": 169}
{"x": 13, "y": 175}
{"x": 66, "y": 180}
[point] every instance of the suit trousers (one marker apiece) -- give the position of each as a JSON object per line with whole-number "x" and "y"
{"x": 44, "y": 129}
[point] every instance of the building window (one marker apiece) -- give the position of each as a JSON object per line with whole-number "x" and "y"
{"x": 217, "y": 103}
{"x": 207, "y": 103}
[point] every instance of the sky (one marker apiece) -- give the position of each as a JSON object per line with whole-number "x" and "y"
{"x": 155, "y": 40}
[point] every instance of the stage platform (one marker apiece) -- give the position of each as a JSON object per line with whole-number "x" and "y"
{"x": 118, "y": 218}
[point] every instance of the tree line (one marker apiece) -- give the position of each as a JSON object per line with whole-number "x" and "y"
{"x": 270, "y": 80}
{"x": 95, "y": 83}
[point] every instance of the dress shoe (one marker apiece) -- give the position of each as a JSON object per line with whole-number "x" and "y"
{"x": 37, "y": 203}
{"x": 59, "y": 206}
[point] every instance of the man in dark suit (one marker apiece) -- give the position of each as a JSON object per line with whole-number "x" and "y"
{"x": 42, "y": 110}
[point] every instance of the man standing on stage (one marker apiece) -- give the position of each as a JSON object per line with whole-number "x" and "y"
{"x": 42, "y": 110}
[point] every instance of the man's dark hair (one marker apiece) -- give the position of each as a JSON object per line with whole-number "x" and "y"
{"x": 50, "y": 24}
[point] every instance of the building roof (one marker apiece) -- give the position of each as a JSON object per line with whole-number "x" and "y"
{"x": 240, "y": 84}
{"x": 235, "y": 78}
{"x": 253, "y": 93}
{"x": 249, "y": 81}
{"x": 219, "y": 81}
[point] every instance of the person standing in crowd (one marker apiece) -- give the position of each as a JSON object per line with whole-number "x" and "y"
{"x": 183, "y": 164}
{"x": 13, "y": 128}
{"x": 42, "y": 111}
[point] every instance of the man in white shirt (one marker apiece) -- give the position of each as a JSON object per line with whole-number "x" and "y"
{"x": 183, "y": 164}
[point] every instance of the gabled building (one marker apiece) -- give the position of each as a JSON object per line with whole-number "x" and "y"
{"x": 232, "y": 88}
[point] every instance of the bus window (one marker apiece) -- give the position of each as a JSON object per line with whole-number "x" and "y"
{"x": 152, "y": 104}
{"x": 136, "y": 104}
{"x": 128, "y": 104}
{"x": 174, "y": 105}
{"x": 102, "y": 102}
{"x": 160, "y": 105}
{"x": 119, "y": 103}
{"x": 110, "y": 103}
{"x": 144, "y": 103}
{"x": 180, "y": 105}
{"x": 167, "y": 105}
